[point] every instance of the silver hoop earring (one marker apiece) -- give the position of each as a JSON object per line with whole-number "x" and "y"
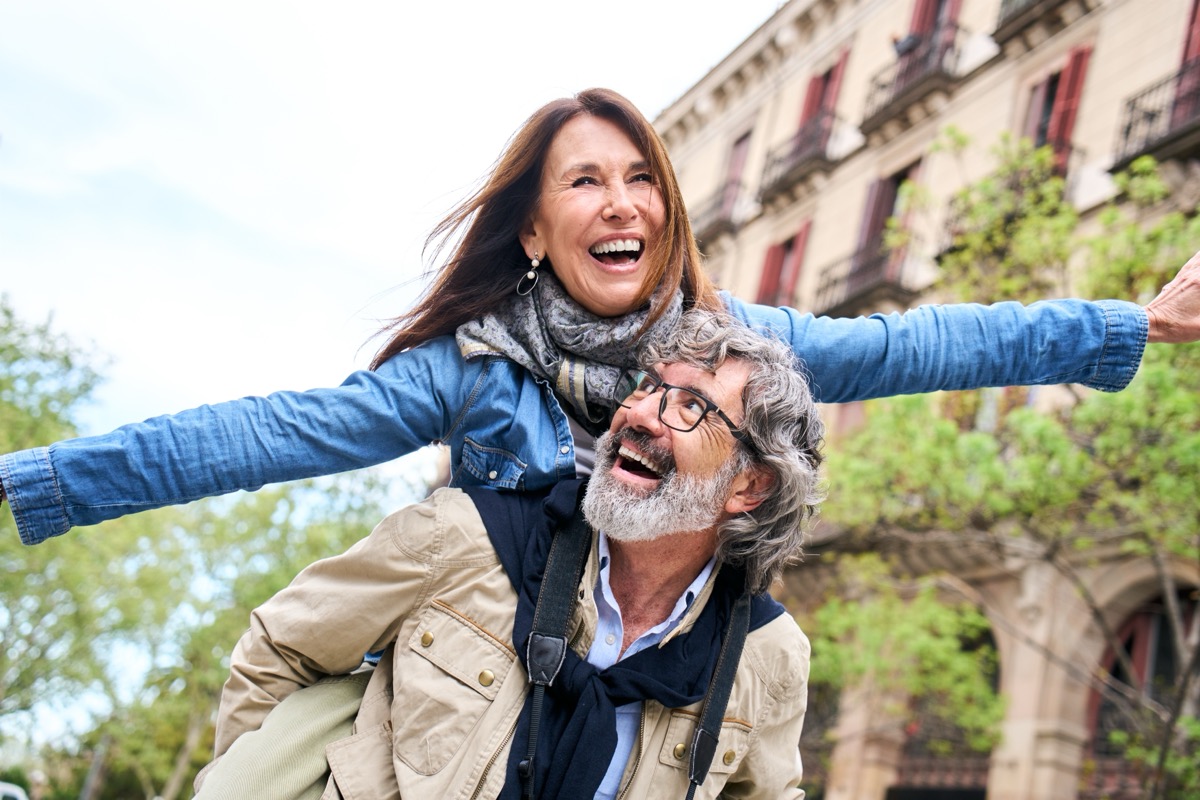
{"x": 524, "y": 288}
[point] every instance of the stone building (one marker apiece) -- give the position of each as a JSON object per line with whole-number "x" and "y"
{"x": 791, "y": 152}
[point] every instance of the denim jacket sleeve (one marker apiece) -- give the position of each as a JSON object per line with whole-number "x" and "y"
{"x": 962, "y": 346}
{"x": 411, "y": 401}
{"x": 422, "y": 396}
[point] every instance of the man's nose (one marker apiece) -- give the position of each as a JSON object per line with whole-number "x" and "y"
{"x": 643, "y": 414}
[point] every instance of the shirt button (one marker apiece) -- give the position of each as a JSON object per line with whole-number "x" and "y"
{"x": 564, "y": 449}
{"x": 728, "y": 757}
{"x": 492, "y": 475}
{"x": 610, "y": 638}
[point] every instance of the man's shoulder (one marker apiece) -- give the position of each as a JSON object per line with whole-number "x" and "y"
{"x": 446, "y": 526}
{"x": 779, "y": 654}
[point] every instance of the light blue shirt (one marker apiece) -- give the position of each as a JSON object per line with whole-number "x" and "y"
{"x": 606, "y": 651}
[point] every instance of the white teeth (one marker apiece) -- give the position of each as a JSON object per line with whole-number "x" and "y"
{"x": 617, "y": 246}
{"x": 641, "y": 459}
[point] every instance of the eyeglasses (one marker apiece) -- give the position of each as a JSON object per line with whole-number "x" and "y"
{"x": 680, "y": 409}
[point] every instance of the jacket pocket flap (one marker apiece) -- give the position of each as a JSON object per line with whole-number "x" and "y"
{"x": 462, "y": 649}
{"x": 493, "y": 466}
{"x": 732, "y": 743}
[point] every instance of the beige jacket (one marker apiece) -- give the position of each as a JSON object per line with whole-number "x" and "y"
{"x": 439, "y": 712}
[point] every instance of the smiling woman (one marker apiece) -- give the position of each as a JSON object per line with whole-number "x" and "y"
{"x": 599, "y": 206}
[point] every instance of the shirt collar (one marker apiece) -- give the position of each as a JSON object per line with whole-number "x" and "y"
{"x": 685, "y": 601}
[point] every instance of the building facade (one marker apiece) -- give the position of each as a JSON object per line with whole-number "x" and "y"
{"x": 791, "y": 154}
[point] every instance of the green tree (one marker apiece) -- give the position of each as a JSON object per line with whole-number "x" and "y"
{"x": 140, "y": 614}
{"x": 978, "y": 477}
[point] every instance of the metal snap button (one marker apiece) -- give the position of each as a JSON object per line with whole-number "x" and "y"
{"x": 426, "y": 639}
{"x": 680, "y": 750}
{"x": 487, "y": 678}
{"x": 492, "y": 475}
{"x": 728, "y": 757}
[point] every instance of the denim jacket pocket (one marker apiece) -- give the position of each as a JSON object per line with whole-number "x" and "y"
{"x": 446, "y": 678}
{"x": 493, "y": 466}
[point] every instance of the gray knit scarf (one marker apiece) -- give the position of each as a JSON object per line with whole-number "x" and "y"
{"x": 580, "y": 354}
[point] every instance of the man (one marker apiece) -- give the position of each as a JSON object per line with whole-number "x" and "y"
{"x": 701, "y": 486}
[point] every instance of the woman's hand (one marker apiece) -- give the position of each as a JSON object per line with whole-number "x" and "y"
{"x": 1175, "y": 313}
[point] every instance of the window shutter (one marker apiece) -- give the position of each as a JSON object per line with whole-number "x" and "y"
{"x": 1191, "y": 50}
{"x": 924, "y": 17}
{"x": 1066, "y": 104}
{"x": 769, "y": 283}
{"x": 812, "y": 99}
{"x": 835, "y": 81}
{"x": 791, "y": 279}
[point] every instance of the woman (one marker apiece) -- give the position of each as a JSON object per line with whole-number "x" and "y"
{"x": 577, "y": 245}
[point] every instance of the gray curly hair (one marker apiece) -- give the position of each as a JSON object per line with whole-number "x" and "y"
{"x": 781, "y": 420}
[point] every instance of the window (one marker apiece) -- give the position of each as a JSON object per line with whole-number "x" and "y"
{"x": 820, "y": 102}
{"x": 781, "y": 269}
{"x": 733, "y": 175}
{"x": 1053, "y": 105}
{"x": 882, "y": 199}
{"x": 1147, "y": 641}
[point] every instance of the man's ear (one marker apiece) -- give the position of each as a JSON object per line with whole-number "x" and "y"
{"x": 750, "y": 488}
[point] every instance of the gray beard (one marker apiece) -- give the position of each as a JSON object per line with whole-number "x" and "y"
{"x": 680, "y": 503}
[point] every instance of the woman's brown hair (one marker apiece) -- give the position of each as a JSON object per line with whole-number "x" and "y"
{"x": 476, "y": 276}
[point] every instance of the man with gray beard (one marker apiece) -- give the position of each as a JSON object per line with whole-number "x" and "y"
{"x": 702, "y": 486}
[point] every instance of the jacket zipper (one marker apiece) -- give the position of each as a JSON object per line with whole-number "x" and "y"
{"x": 492, "y": 761}
{"x": 637, "y": 762}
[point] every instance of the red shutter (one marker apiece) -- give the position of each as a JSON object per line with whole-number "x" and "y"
{"x": 835, "y": 81}
{"x": 881, "y": 199}
{"x": 812, "y": 99}
{"x": 1191, "y": 49}
{"x": 924, "y": 17}
{"x": 789, "y": 281}
{"x": 769, "y": 283}
{"x": 1066, "y": 104}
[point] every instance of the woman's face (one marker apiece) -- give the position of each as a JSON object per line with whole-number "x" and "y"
{"x": 598, "y": 211}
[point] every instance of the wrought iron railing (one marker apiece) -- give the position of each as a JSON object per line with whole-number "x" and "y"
{"x": 714, "y": 215}
{"x": 1110, "y": 779}
{"x": 1161, "y": 112}
{"x": 934, "y": 55}
{"x": 794, "y": 158}
{"x": 872, "y": 269}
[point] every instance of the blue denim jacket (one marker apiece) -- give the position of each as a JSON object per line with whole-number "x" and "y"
{"x": 506, "y": 429}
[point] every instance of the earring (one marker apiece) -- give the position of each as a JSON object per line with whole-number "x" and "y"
{"x": 531, "y": 276}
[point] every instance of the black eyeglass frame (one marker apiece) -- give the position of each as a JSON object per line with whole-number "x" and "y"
{"x": 638, "y": 375}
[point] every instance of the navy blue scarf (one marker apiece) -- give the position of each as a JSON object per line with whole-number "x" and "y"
{"x": 578, "y": 729}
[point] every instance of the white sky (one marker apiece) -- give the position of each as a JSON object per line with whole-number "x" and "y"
{"x": 225, "y": 196}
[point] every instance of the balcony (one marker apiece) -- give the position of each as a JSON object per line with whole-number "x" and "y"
{"x": 1164, "y": 120}
{"x": 799, "y": 158}
{"x": 926, "y": 71}
{"x": 1111, "y": 779}
{"x": 714, "y": 215}
{"x": 872, "y": 278}
{"x": 1024, "y": 23}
